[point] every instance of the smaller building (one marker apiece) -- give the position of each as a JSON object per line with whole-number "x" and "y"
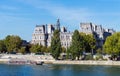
{"x": 66, "y": 39}
{"x": 98, "y": 31}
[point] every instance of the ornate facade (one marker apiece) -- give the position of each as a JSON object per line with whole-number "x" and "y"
{"x": 100, "y": 34}
{"x": 43, "y": 33}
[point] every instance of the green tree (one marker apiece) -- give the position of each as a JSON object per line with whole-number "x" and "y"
{"x": 89, "y": 42}
{"x": 99, "y": 51}
{"x": 85, "y": 41}
{"x": 77, "y": 45}
{"x": 13, "y": 43}
{"x": 55, "y": 44}
{"x": 22, "y": 50}
{"x": 112, "y": 45}
{"x": 63, "y": 50}
{"x": 43, "y": 49}
{"x": 68, "y": 51}
{"x": 47, "y": 49}
{"x": 2, "y": 46}
{"x": 35, "y": 48}
{"x": 92, "y": 42}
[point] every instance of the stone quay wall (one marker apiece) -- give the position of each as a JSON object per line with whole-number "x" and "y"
{"x": 89, "y": 62}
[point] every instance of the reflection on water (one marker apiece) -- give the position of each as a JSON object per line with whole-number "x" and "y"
{"x": 58, "y": 70}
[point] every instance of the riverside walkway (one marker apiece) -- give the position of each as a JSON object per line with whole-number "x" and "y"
{"x": 88, "y": 62}
{"x": 7, "y": 57}
{"x": 49, "y": 59}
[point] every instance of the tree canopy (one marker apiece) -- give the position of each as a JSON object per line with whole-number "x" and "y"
{"x": 89, "y": 42}
{"x": 12, "y": 43}
{"x": 2, "y": 46}
{"x": 112, "y": 44}
{"x": 77, "y": 45}
{"x": 36, "y": 48}
{"x": 55, "y": 44}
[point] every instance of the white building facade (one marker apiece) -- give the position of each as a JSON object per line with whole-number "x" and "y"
{"x": 99, "y": 33}
{"x": 43, "y": 34}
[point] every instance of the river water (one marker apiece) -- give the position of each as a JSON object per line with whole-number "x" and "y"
{"x": 58, "y": 70}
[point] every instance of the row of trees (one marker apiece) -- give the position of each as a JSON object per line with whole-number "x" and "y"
{"x": 14, "y": 44}
{"x": 39, "y": 48}
{"x": 80, "y": 43}
{"x": 86, "y": 43}
{"x": 10, "y": 44}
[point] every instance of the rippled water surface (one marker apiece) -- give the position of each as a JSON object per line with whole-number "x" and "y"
{"x": 58, "y": 70}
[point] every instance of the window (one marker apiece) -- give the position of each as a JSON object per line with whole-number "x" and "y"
{"x": 40, "y": 30}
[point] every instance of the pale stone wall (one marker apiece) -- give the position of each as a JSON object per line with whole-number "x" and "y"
{"x": 45, "y": 58}
{"x": 50, "y": 59}
{"x": 88, "y": 62}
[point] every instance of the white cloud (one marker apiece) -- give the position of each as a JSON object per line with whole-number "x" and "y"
{"x": 70, "y": 16}
{"x": 73, "y": 16}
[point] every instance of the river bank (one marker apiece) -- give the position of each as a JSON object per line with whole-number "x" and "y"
{"x": 47, "y": 59}
{"x": 89, "y": 62}
{"x": 28, "y": 58}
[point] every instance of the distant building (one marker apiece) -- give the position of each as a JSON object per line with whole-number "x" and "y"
{"x": 43, "y": 33}
{"x": 99, "y": 33}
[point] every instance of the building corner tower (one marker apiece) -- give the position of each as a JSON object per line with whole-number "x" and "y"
{"x": 58, "y": 24}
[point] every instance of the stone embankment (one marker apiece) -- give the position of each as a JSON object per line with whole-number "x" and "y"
{"x": 49, "y": 59}
{"x": 89, "y": 62}
{"x": 8, "y": 57}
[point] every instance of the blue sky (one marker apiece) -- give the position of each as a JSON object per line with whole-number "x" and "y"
{"x": 19, "y": 17}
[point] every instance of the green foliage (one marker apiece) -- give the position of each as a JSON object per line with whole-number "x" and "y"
{"x": 112, "y": 44}
{"x": 99, "y": 54}
{"x": 89, "y": 42}
{"x": 68, "y": 53}
{"x": 36, "y": 48}
{"x": 12, "y": 43}
{"x": 77, "y": 45}
{"x": 22, "y": 50}
{"x": 99, "y": 57}
{"x": 2, "y": 46}
{"x": 99, "y": 51}
{"x": 55, "y": 44}
{"x": 63, "y": 50}
{"x": 39, "y": 48}
{"x": 81, "y": 42}
{"x": 43, "y": 49}
{"x": 89, "y": 57}
{"x": 47, "y": 49}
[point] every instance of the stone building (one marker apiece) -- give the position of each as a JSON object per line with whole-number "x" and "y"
{"x": 43, "y": 33}
{"x": 100, "y": 34}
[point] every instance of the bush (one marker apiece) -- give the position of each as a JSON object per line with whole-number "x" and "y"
{"x": 99, "y": 57}
{"x": 88, "y": 57}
